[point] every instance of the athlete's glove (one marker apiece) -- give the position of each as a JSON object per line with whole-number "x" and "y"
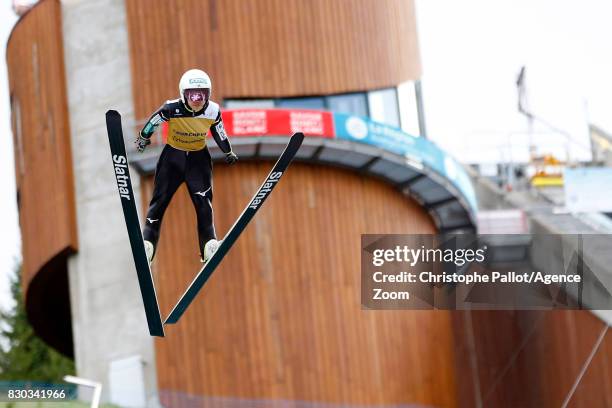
{"x": 231, "y": 158}
{"x": 142, "y": 142}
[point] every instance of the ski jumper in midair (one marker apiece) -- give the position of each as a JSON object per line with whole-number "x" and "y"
{"x": 185, "y": 158}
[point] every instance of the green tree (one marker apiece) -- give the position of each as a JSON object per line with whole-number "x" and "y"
{"x": 23, "y": 355}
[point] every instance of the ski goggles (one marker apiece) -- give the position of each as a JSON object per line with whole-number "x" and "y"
{"x": 197, "y": 95}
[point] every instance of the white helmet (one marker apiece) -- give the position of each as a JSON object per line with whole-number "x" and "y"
{"x": 194, "y": 79}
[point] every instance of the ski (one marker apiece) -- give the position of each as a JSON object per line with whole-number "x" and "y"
{"x": 126, "y": 194}
{"x": 249, "y": 212}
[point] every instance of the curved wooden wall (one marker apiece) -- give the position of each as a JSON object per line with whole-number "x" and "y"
{"x": 532, "y": 359}
{"x": 43, "y": 166}
{"x": 270, "y": 48}
{"x": 281, "y": 317}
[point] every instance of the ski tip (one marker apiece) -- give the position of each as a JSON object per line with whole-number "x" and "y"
{"x": 158, "y": 334}
{"x": 156, "y": 327}
{"x": 297, "y": 138}
{"x": 112, "y": 112}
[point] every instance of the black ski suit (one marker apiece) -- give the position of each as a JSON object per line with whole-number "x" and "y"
{"x": 185, "y": 158}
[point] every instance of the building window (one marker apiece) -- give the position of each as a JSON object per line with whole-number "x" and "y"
{"x": 301, "y": 103}
{"x": 356, "y": 104}
{"x": 408, "y": 107}
{"x": 249, "y": 103}
{"x": 383, "y": 106}
{"x": 380, "y": 105}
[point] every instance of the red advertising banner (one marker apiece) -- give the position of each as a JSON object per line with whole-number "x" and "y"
{"x": 274, "y": 122}
{"x": 262, "y": 122}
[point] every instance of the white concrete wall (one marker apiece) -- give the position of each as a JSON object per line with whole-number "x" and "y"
{"x": 108, "y": 317}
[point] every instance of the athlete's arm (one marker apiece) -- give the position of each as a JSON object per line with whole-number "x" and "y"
{"x": 218, "y": 132}
{"x": 154, "y": 121}
{"x": 144, "y": 136}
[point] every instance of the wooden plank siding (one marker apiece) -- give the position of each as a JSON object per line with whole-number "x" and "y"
{"x": 281, "y": 317}
{"x": 270, "y": 48}
{"x": 41, "y": 138}
{"x": 531, "y": 359}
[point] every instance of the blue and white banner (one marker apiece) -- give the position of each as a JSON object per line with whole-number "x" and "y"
{"x": 415, "y": 149}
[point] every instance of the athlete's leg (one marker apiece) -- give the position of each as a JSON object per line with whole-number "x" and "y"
{"x": 198, "y": 177}
{"x": 169, "y": 174}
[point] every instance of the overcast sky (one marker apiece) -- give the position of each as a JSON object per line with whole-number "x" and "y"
{"x": 471, "y": 52}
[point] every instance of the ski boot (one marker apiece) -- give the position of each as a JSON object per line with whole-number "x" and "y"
{"x": 209, "y": 249}
{"x": 149, "y": 250}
